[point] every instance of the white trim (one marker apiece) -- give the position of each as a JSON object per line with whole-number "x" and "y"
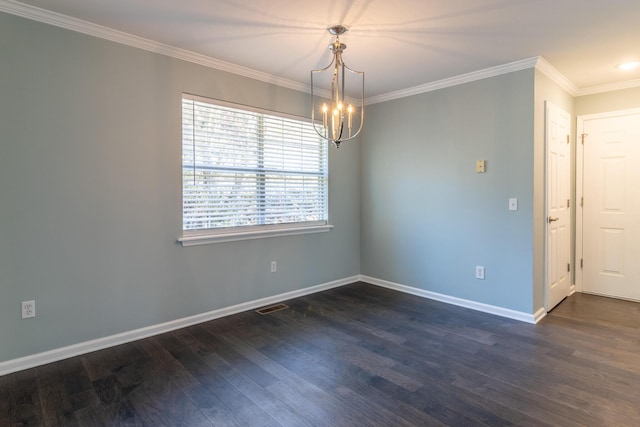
{"x": 580, "y": 184}
{"x": 31, "y": 361}
{"x": 478, "y": 306}
{"x": 556, "y": 76}
{"x": 455, "y": 81}
{"x": 609, "y": 114}
{"x": 629, "y": 84}
{"x": 579, "y": 251}
{"x": 63, "y": 21}
{"x": 62, "y": 353}
{"x": 205, "y": 239}
{"x": 539, "y": 315}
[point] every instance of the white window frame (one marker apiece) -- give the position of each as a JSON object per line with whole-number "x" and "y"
{"x": 217, "y": 235}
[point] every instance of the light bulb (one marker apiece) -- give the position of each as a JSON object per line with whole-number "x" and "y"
{"x": 629, "y": 65}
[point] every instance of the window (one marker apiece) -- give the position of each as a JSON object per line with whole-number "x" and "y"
{"x": 249, "y": 173}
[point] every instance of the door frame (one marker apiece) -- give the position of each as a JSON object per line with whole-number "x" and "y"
{"x": 580, "y": 183}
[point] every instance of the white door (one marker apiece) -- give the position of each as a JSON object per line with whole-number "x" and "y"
{"x": 558, "y": 243}
{"x": 611, "y": 212}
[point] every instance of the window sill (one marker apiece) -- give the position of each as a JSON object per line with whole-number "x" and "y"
{"x": 204, "y": 238}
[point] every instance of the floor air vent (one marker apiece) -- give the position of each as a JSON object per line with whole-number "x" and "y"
{"x": 272, "y": 309}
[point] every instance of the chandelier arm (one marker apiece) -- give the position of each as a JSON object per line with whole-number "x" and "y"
{"x": 333, "y": 59}
{"x": 361, "y": 107}
{"x": 313, "y": 110}
{"x": 352, "y": 70}
{"x": 342, "y": 86}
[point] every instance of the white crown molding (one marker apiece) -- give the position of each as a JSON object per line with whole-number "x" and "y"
{"x": 556, "y": 76}
{"x": 91, "y": 29}
{"x": 455, "y": 81}
{"x": 62, "y": 353}
{"x": 52, "y": 18}
{"x": 538, "y": 62}
{"x": 629, "y": 84}
{"x": 473, "y": 305}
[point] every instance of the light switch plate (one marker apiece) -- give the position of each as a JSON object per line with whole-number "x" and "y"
{"x": 513, "y": 204}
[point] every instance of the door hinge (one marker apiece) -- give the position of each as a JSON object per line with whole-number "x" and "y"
{"x": 581, "y": 202}
{"x": 581, "y": 263}
{"x": 568, "y": 267}
{"x": 582, "y": 136}
{"x": 568, "y": 136}
{"x": 568, "y": 203}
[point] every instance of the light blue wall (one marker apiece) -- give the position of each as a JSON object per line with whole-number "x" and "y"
{"x": 90, "y": 194}
{"x": 427, "y": 218}
{"x": 90, "y": 204}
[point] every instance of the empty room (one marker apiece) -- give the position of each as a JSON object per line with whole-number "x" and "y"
{"x": 287, "y": 213}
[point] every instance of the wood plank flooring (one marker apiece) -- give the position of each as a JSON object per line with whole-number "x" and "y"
{"x": 358, "y": 355}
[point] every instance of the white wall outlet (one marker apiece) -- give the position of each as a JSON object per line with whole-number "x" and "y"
{"x": 481, "y": 166}
{"x": 28, "y": 309}
{"x": 513, "y": 204}
{"x": 274, "y": 266}
{"x": 480, "y": 272}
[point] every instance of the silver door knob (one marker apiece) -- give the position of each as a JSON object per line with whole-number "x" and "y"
{"x": 551, "y": 219}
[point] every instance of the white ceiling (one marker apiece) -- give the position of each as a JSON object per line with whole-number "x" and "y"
{"x": 399, "y": 44}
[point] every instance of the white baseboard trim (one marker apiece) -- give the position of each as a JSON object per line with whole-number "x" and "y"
{"x": 539, "y": 315}
{"x": 485, "y": 308}
{"x": 62, "y": 353}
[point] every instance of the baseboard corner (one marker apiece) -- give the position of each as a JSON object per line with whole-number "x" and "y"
{"x": 448, "y": 299}
{"x": 539, "y": 315}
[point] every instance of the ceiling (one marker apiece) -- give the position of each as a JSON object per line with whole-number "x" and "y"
{"x": 400, "y": 44}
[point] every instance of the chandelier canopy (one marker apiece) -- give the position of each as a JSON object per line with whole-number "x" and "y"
{"x": 337, "y": 115}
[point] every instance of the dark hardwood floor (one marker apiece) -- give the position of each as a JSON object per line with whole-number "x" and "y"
{"x": 359, "y": 355}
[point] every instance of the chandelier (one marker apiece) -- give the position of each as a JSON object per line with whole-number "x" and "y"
{"x": 337, "y": 116}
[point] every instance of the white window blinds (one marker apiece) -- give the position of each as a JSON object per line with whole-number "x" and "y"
{"x": 250, "y": 168}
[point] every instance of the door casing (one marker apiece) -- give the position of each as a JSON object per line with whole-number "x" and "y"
{"x": 579, "y": 243}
